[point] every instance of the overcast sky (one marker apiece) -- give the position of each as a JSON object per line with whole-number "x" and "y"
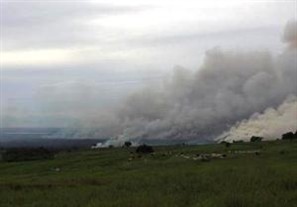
{"x": 93, "y": 53}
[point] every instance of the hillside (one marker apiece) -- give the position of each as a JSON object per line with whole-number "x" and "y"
{"x": 241, "y": 175}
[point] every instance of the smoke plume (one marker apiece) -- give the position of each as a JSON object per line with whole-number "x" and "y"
{"x": 227, "y": 88}
{"x": 270, "y": 125}
{"x": 196, "y": 106}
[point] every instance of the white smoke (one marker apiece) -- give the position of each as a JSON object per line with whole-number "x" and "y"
{"x": 270, "y": 125}
{"x": 228, "y": 87}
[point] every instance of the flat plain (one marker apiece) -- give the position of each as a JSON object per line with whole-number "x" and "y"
{"x": 241, "y": 175}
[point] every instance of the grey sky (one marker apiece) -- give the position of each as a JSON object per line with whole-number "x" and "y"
{"x": 54, "y": 51}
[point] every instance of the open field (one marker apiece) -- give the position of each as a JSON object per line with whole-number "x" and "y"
{"x": 252, "y": 174}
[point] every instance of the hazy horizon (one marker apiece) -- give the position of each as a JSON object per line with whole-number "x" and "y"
{"x": 149, "y": 69}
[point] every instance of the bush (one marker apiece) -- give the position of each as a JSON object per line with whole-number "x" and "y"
{"x": 26, "y": 154}
{"x": 227, "y": 144}
{"x": 289, "y": 136}
{"x": 256, "y": 139}
{"x": 144, "y": 149}
{"x": 238, "y": 141}
{"x": 127, "y": 144}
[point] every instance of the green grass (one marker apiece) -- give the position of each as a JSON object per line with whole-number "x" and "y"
{"x": 106, "y": 177}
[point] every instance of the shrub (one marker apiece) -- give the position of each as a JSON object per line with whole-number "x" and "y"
{"x": 127, "y": 144}
{"x": 289, "y": 136}
{"x": 238, "y": 141}
{"x": 227, "y": 144}
{"x": 256, "y": 139}
{"x": 144, "y": 149}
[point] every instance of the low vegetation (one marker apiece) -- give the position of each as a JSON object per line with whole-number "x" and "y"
{"x": 26, "y": 154}
{"x": 257, "y": 174}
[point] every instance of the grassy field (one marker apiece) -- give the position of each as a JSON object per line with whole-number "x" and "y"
{"x": 171, "y": 177}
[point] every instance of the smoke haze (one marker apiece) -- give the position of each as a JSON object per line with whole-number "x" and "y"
{"x": 228, "y": 87}
{"x": 269, "y": 125}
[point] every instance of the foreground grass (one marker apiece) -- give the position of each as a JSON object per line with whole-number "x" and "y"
{"x": 108, "y": 178}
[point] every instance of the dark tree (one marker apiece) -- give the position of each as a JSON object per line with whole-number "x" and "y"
{"x": 256, "y": 139}
{"x": 289, "y": 136}
{"x": 144, "y": 149}
{"x": 238, "y": 141}
{"x": 127, "y": 144}
{"x": 227, "y": 144}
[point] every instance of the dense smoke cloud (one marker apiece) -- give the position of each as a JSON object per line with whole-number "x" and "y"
{"x": 229, "y": 87}
{"x": 274, "y": 122}
{"x": 270, "y": 125}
